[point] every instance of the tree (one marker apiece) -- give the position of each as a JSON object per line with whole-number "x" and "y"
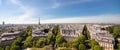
{"x": 69, "y": 43}
{"x": 97, "y": 47}
{"x": 15, "y": 47}
{"x": 82, "y": 47}
{"x": 110, "y": 29}
{"x": 34, "y": 43}
{"x": 86, "y": 32}
{"x": 28, "y": 32}
{"x": 7, "y": 48}
{"x": 1, "y": 48}
{"x": 0, "y": 31}
{"x": 28, "y": 42}
{"x": 17, "y": 41}
{"x": 16, "y": 44}
{"x": 75, "y": 45}
{"x": 64, "y": 44}
{"x": 118, "y": 46}
{"x": 41, "y": 42}
{"x": 80, "y": 39}
{"x": 116, "y": 31}
{"x": 50, "y": 38}
{"x": 46, "y": 30}
{"x": 93, "y": 43}
{"x": 58, "y": 29}
{"x": 59, "y": 39}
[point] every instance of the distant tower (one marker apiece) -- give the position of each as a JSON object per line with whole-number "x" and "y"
{"x": 3, "y": 23}
{"x": 39, "y": 21}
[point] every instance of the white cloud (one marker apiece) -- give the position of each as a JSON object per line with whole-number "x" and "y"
{"x": 24, "y": 18}
{"x": 57, "y": 3}
{"x": 28, "y": 11}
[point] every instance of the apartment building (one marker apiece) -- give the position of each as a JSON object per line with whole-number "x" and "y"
{"x": 103, "y": 37}
{"x": 8, "y": 38}
{"x": 71, "y": 31}
{"x": 105, "y": 40}
{"x": 38, "y": 31}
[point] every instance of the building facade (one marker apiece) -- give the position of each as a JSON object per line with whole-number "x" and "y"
{"x": 103, "y": 37}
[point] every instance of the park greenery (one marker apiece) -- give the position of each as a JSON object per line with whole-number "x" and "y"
{"x": 115, "y": 30}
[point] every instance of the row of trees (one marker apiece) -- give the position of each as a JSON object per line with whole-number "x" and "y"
{"x": 16, "y": 44}
{"x": 28, "y": 42}
{"x": 25, "y": 37}
{"x": 28, "y": 32}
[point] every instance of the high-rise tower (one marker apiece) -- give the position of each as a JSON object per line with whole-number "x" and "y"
{"x": 39, "y": 21}
{"x": 3, "y": 23}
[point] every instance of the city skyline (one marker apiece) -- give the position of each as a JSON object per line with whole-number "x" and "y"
{"x": 59, "y": 11}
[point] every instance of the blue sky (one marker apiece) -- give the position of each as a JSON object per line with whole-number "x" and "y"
{"x": 59, "y": 11}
